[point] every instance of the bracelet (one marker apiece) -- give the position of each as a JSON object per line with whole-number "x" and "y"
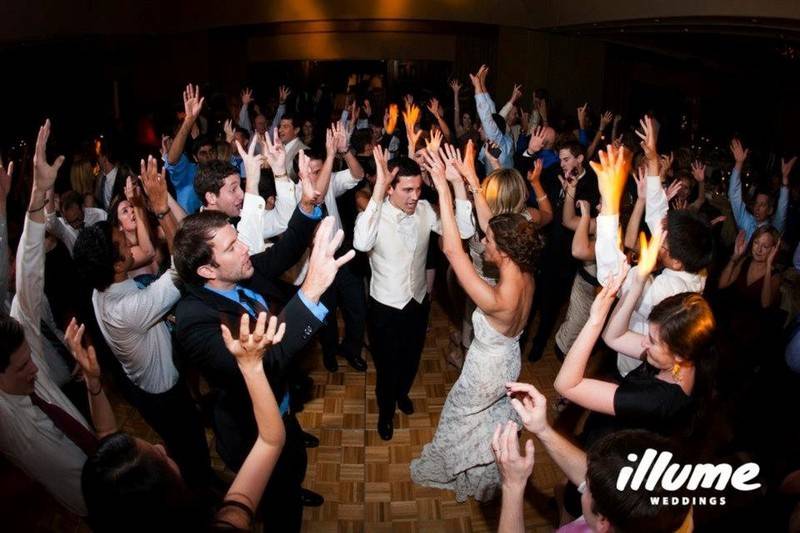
{"x": 475, "y": 190}
{"x": 160, "y": 216}
{"x": 540, "y": 198}
{"x": 37, "y": 209}
{"x": 279, "y": 175}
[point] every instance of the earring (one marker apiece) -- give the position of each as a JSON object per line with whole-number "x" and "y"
{"x": 676, "y": 372}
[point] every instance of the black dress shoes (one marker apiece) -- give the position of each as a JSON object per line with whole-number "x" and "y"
{"x": 309, "y": 440}
{"x": 405, "y": 405}
{"x": 331, "y": 364}
{"x": 311, "y": 498}
{"x": 385, "y": 429}
{"x": 357, "y": 362}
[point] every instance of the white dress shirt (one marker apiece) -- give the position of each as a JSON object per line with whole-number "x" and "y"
{"x": 257, "y": 223}
{"x": 289, "y": 194}
{"x": 397, "y": 244}
{"x": 131, "y": 321}
{"x": 66, "y": 233}
{"x": 27, "y": 436}
{"x": 292, "y": 148}
{"x": 657, "y": 288}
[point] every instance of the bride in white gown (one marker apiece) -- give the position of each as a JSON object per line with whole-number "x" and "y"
{"x": 460, "y": 457}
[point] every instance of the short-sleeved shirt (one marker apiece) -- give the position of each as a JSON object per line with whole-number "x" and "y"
{"x": 642, "y": 401}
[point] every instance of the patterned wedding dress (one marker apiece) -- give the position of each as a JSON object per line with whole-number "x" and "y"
{"x": 460, "y": 457}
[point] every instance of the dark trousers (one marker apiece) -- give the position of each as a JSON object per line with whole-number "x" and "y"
{"x": 176, "y": 419}
{"x": 281, "y": 507}
{"x": 397, "y": 337}
{"x": 346, "y": 293}
{"x": 553, "y": 288}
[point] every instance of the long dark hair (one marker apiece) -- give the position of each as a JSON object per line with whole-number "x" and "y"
{"x": 688, "y": 328}
{"x": 127, "y": 489}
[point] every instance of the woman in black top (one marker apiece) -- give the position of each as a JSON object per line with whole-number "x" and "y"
{"x": 131, "y": 485}
{"x": 662, "y": 393}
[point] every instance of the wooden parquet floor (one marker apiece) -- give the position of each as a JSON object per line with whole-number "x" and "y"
{"x": 365, "y": 480}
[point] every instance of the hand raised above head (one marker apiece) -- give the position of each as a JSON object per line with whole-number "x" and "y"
{"x": 44, "y": 174}
{"x": 249, "y": 347}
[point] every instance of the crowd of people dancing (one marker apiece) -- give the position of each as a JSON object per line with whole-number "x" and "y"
{"x": 191, "y": 282}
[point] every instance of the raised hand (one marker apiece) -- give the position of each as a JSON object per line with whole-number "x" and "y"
{"x": 582, "y": 112}
{"x": 649, "y": 138}
{"x": 275, "y": 153}
{"x": 228, "y": 128}
{"x": 516, "y": 93}
{"x": 367, "y": 107}
{"x": 611, "y": 171}
{"x": 192, "y": 103}
{"x": 133, "y": 193}
{"x": 322, "y": 265}
{"x": 390, "y": 119}
{"x": 605, "y": 120}
{"x": 537, "y": 140}
{"x": 410, "y": 117}
{"x": 641, "y": 183}
{"x": 435, "y": 141}
{"x": 452, "y": 157}
{"x": 166, "y": 143}
{"x": 699, "y": 171}
{"x": 466, "y": 166}
{"x": 434, "y": 108}
{"x": 310, "y": 195}
{"x": 408, "y": 100}
{"x": 155, "y": 185}
{"x": 739, "y": 152}
{"x": 455, "y": 85}
{"x": 679, "y": 204}
{"x": 341, "y": 136}
{"x": 479, "y": 79}
{"x": 740, "y": 246}
{"x": 535, "y": 173}
{"x": 515, "y": 469}
{"x": 252, "y": 162}
{"x": 247, "y": 96}
{"x": 44, "y": 174}
{"x": 530, "y": 405}
{"x": 435, "y": 167}
{"x": 673, "y": 189}
{"x": 249, "y": 348}
{"x": 786, "y": 169}
{"x": 648, "y": 253}
{"x": 283, "y": 94}
{"x": 85, "y": 357}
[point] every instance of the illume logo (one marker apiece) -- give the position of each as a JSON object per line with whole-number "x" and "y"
{"x": 656, "y": 467}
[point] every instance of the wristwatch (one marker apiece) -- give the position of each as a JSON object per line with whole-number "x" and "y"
{"x": 160, "y": 216}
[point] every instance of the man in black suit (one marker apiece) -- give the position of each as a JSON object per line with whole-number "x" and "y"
{"x": 222, "y": 281}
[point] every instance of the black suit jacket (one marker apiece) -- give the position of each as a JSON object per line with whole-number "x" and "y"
{"x": 199, "y": 314}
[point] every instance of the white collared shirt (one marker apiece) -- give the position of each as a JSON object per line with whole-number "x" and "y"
{"x": 657, "y": 288}
{"x": 28, "y": 437}
{"x": 397, "y": 244}
{"x": 131, "y": 320}
{"x": 66, "y": 233}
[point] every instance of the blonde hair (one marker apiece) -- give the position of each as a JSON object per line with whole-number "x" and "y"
{"x": 81, "y": 177}
{"x": 505, "y": 191}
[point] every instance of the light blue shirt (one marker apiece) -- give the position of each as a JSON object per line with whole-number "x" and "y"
{"x": 744, "y": 218}
{"x": 486, "y": 107}
{"x": 182, "y": 175}
{"x": 318, "y": 310}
